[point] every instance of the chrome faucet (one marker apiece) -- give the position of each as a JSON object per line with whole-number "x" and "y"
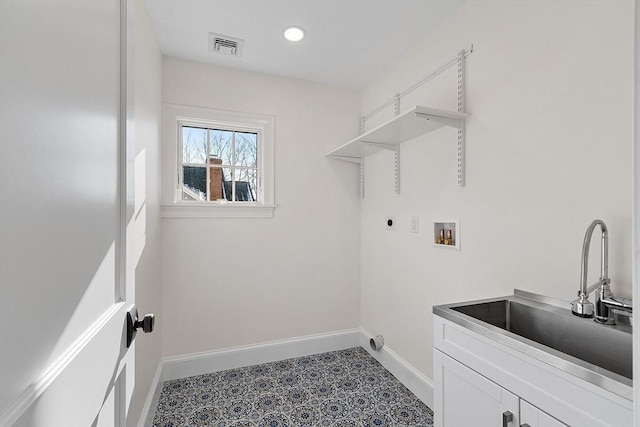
{"x": 605, "y": 301}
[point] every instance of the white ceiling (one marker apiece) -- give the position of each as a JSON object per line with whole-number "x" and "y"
{"x": 348, "y": 42}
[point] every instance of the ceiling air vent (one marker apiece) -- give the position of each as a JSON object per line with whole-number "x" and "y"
{"x": 219, "y": 43}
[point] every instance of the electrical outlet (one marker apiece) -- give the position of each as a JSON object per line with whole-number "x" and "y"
{"x": 390, "y": 223}
{"x": 414, "y": 224}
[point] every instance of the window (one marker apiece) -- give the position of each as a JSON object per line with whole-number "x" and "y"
{"x": 217, "y": 163}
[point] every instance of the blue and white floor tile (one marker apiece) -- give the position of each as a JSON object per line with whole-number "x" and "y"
{"x": 341, "y": 388}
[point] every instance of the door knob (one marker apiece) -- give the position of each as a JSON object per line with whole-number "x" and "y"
{"x": 134, "y": 323}
{"x": 147, "y": 323}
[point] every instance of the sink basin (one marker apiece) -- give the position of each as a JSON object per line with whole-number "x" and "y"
{"x": 608, "y": 347}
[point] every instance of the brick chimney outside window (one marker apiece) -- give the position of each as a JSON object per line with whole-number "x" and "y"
{"x": 215, "y": 179}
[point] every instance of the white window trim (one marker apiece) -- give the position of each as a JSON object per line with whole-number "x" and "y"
{"x": 174, "y": 116}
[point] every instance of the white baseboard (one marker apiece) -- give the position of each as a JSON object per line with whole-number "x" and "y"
{"x": 407, "y": 374}
{"x": 146, "y": 416}
{"x": 237, "y": 357}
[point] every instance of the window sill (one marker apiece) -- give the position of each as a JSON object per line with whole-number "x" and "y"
{"x": 217, "y": 211}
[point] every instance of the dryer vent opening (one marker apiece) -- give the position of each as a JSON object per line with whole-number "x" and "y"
{"x": 376, "y": 343}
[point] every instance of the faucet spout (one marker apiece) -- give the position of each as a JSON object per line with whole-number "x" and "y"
{"x": 605, "y": 301}
{"x": 604, "y": 255}
{"x": 582, "y": 306}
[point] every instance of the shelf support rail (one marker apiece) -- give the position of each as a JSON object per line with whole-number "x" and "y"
{"x": 362, "y": 126}
{"x": 362, "y": 179}
{"x": 396, "y": 161}
{"x": 358, "y": 161}
{"x": 391, "y": 147}
{"x": 463, "y": 123}
{"x": 397, "y": 169}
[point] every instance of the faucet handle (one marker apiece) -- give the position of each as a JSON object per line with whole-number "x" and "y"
{"x": 618, "y": 303}
{"x": 626, "y": 302}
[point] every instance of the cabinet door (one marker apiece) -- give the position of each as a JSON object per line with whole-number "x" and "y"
{"x": 530, "y": 416}
{"x": 466, "y": 398}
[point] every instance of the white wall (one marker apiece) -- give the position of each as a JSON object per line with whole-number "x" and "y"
{"x": 148, "y": 239}
{"x": 232, "y": 282}
{"x": 549, "y": 149}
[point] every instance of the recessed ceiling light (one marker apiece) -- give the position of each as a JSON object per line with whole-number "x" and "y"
{"x": 294, "y": 34}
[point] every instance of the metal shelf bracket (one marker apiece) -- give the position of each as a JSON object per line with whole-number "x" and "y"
{"x": 454, "y": 123}
{"x": 382, "y": 145}
{"x": 357, "y": 160}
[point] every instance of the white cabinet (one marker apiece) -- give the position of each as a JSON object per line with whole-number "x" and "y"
{"x": 477, "y": 379}
{"x": 530, "y": 416}
{"x": 472, "y": 400}
{"x": 469, "y": 399}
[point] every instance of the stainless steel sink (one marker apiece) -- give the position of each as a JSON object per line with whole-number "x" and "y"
{"x": 545, "y": 328}
{"x": 607, "y": 347}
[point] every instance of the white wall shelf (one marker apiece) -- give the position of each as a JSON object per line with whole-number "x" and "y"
{"x": 411, "y": 124}
{"x": 416, "y": 122}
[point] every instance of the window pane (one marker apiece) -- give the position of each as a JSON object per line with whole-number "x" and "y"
{"x": 194, "y": 145}
{"x": 220, "y": 145}
{"x": 246, "y": 185}
{"x": 194, "y": 186}
{"x": 246, "y": 149}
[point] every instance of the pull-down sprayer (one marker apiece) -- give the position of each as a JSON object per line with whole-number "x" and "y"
{"x": 605, "y": 300}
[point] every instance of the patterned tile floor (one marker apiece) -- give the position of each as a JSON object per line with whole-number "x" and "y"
{"x": 341, "y": 388}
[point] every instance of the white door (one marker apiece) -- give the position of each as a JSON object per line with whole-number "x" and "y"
{"x": 64, "y": 193}
{"x": 469, "y": 399}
